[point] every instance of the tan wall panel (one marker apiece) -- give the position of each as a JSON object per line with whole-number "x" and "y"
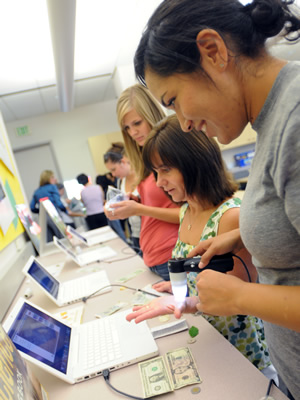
{"x": 98, "y": 147}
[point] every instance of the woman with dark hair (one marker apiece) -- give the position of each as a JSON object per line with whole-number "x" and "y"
{"x": 208, "y": 61}
{"x": 119, "y": 165}
{"x": 92, "y": 197}
{"x": 190, "y": 169}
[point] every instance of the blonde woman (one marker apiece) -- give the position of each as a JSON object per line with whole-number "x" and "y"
{"x": 137, "y": 113}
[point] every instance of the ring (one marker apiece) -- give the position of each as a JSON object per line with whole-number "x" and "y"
{"x": 113, "y": 212}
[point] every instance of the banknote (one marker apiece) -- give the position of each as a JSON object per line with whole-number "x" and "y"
{"x": 111, "y": 310}
{"x": 182, "y": 367}
{"x": 130, "y": 276}
{"x": 155, "y": 377}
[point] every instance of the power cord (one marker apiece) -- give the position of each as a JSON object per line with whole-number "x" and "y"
{"x": 267, "y": 396}
{"x": 244, "y": 265}
{"x": 84, "y": 299}
{"x": 106, "y": 374}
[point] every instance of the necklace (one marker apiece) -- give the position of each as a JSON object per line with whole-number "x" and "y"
{"x": 189, "y": 222}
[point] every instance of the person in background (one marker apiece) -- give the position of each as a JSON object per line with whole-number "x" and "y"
{"x": 104, "y": 181}
{"x": 191, "y": 170}
{"x": 67, "y": 217}
{"x": 119, "y": 165}
{"x": 208, "y": 61}
{"x": 137, "y": 113}
{"x": 47, "y": 188}
{"x": 92, "y": 197}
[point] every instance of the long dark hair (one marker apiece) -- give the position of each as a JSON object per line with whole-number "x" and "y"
{"x": 197, "y": 157}
{"x": 168, "y": 44}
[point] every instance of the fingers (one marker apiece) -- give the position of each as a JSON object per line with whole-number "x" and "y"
{"x": 141, "y": 315}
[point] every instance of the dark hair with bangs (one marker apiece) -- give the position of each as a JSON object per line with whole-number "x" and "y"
{"x": 197, "y": 157}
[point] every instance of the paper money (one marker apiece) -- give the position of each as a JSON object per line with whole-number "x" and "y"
{"x": 111, "y": 310}
{"x": 155, "y": 377}
{"x": 139, "y": 299}
{"x": 182, "y": 368}
{"x": 130, "y": 276}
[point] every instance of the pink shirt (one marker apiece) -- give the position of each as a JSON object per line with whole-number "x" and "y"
{"x": 92, "y": 198}
{"x": 157, "y": 238}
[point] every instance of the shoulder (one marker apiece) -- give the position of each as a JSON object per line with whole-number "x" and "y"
{"x": 229, "y": 220}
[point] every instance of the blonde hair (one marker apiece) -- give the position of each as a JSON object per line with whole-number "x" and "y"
{"x": 138, "y": 98}
{"x": 45, "y": 177}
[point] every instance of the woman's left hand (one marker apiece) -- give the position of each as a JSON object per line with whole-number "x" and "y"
{"x": 160, "y": 306}
{"x": 123, "y": 210}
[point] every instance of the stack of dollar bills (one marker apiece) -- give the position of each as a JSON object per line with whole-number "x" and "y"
{"x": 170, "y": 372}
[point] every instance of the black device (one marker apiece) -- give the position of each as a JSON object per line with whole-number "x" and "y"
{"x": 223, "y": 263}
{"x": 178, "y": 267}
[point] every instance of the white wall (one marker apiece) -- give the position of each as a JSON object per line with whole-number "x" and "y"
{"x": 68, "y": 133}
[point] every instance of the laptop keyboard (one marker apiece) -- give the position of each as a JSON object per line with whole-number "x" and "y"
{"x": 77, "y": 289}
{"x": 100, "y": 343}
{"x": 84, "y": 286}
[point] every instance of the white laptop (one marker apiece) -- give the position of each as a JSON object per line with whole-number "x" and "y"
{"x": 78, "y": 353}
{"x": 94, "y": 236}
{"x": 85, "y": 257}
{"x": 63, "y": 293}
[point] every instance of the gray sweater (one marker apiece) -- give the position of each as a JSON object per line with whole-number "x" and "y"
{"x": 270, "y": 211}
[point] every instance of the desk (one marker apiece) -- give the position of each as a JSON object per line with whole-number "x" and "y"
{"x": 226, "y": 374}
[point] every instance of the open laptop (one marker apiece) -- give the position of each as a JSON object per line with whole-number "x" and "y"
{"x": 94, "y": 236}
{"x": 68, "y": 292}
{"x": 32, "y": 229}
{"x": 17, "y": 381}
{"x": 85, "y": 257}
{"x": 78, "y": 353}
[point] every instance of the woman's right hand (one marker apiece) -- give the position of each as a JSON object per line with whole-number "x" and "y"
{"x": 229, "y": 242}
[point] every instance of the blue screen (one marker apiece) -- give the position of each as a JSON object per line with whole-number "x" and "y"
{"x": 41, "y": 337}
{"x": 42, "y": 276}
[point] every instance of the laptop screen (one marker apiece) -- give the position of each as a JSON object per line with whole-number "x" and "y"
{"x": 65, "y": 248}
{"x": 42, "y": 276}
{"x": 77, "y": 234}
{"x": 41, "y": 337}
{"x": 31, "y": 227}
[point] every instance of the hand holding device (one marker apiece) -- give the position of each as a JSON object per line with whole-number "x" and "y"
{"x": 180, "y": 266}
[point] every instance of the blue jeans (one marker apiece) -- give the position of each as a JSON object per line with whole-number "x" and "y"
{"x": 117, "y": 227}
{"x": 161, "y": 270}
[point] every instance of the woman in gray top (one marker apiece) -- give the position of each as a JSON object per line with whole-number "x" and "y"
{"x": 207, "y": 61}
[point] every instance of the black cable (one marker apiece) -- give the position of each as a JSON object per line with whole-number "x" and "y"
{"x": 244, "y": 265}
{"x": 271, "y": 382}
{"x": 106, "y": 378}
{"x": 84, "y": 299}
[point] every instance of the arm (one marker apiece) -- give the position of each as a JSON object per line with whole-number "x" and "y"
{"x": 128, "y": 208}
{"x": 33, "y": 206}
{"x": 222, "y": 294}
{"x": 162, "y": 306}
{"x": 229, "y": 242}
{"x": 230, "y": 221}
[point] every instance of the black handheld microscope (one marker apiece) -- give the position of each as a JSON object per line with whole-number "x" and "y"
{"x": 178, "y": 267}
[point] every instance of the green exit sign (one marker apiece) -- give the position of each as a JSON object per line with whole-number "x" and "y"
{"x": 23, "y": 130}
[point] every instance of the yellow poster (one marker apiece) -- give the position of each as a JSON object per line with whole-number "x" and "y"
{"x": 10, "y": 192}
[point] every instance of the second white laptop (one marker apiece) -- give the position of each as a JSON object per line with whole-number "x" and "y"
{"x": 82, "y": 352}
{"x": 94, "y": 236}
{"x": 63, "y": 293}
{"x": 85, "y": 257}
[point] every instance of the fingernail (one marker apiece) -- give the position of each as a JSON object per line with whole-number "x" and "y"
{"x": 201, "y": 265}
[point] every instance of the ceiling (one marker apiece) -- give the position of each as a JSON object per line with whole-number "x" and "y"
{"x": 39, "y": 40}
